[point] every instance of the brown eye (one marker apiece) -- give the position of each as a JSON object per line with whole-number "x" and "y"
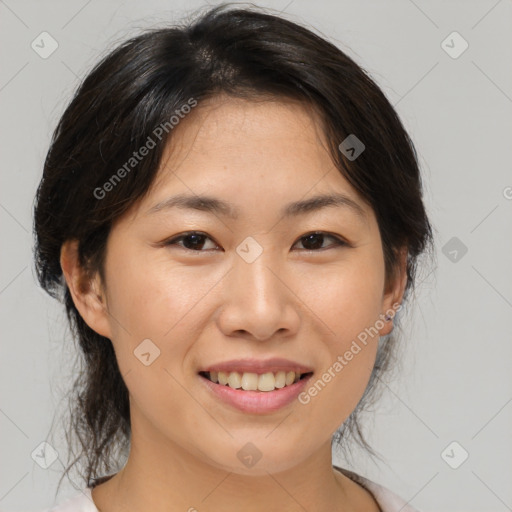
{"x": 314, "y": 241}
{"x": 192, "y": 241}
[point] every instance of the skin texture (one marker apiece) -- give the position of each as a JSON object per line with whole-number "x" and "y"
{"x": 206, "y": 307}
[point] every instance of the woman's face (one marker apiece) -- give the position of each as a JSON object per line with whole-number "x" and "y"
{"x": 251, "y": 285}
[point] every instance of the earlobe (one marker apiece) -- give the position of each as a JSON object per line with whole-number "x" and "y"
{"x": 86, "y": 291}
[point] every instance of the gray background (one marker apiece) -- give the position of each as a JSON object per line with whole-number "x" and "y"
{"x": 455, "y": 382}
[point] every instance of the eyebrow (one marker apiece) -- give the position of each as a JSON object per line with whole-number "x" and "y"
{"x": 217, "y": 206}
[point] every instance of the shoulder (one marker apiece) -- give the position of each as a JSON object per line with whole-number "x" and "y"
{"x": 79, "y": 502}
{"x": 387, "y": 500}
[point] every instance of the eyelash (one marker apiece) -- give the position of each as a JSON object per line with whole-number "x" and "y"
{"x": 338, "y": 242}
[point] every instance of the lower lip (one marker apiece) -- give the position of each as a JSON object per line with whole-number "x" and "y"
{"x": 257, "y": 402}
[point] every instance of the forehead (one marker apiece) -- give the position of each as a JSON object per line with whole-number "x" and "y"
{"x": 255, "y": 151}
{"x": 237, "y": 137}
{"x": 230, "y": 128}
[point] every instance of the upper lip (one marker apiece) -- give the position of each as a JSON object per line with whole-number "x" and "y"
{"x": 258, "y": 366}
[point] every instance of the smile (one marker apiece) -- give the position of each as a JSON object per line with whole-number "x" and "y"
{"x": 249, "y": 381}
{"x": 267, "y": 400}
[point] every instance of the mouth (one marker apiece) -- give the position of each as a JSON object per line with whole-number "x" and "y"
{"x": 255, "y": 386}
{"x": 251, "y": 381}
{"x": 265, "y": 392}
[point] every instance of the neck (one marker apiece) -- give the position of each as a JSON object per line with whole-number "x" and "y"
{"x": 163, "y": 477}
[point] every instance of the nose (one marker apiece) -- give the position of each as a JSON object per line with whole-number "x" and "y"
{"x": 258, "y": 301}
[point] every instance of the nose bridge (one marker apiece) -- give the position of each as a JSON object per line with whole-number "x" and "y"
{"x": 256, "y": 300}
{"x": 255, "y": 281}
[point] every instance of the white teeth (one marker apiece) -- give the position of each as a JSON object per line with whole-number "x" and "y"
{"x": 252, "y": 381}
{"x": 266, "y": 382}
{"x": 280, "y": 380}
{"x": 235, "y": 380}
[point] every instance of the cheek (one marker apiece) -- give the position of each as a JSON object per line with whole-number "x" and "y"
{"x": 346, "y": 298}
{"x": 156, "y": 313}
{"x": 151, "y": 296}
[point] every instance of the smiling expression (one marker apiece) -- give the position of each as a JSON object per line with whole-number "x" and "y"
{"x": 250, "y": 245}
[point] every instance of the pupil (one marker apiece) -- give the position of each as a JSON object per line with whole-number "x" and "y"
{"x": 314, "y": 236}
{"x": 196, "y": 241}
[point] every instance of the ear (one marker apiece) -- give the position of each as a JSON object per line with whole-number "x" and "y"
{"x": 86, "y": 291}
{"x": 394, "y": 292}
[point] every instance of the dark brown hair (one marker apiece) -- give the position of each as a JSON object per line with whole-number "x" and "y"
{"x": 245, "y": 53}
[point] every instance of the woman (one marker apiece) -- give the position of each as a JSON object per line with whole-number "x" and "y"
{"x": 232, "y": 214}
